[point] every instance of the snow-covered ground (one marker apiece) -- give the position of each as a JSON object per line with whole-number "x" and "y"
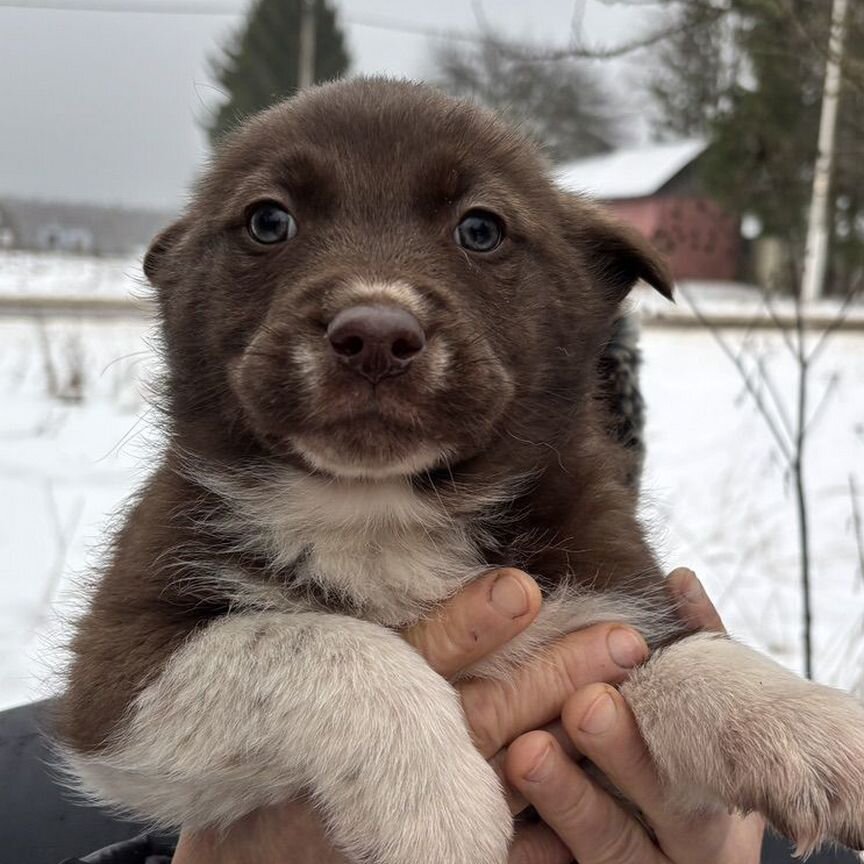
{"x": 720, "y": 499}
{"x": 23, "y": 274}
{"x": 717, "y": 496}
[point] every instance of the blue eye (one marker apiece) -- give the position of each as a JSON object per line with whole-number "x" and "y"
{"x": 480, "y": 231}
{"x": 269, "y": 223}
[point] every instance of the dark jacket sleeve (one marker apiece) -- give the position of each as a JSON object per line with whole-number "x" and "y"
{"x": 143, "y": 849}
{"x": 41, "y": 822}
{"x": 149, "y": 850}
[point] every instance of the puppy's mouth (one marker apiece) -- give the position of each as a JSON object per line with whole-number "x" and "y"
{"x": 376, "y": 396}
{"x": 371, "y": 405}
{"x": 388, "y": 459}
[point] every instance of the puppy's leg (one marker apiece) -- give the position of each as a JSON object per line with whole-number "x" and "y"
{"x": 260, "y": 707}
{"x": 724, "y": 723}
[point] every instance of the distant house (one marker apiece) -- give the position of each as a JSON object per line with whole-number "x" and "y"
{"x": 656, "y": 189}
{"x": 92, "y": 229}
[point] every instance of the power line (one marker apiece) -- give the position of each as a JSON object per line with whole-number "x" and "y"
{"x": 209, "y": 8}
{"x": 136, "y": 8}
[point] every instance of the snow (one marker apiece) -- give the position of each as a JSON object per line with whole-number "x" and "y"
{"x": 736, "y": 301}
{"x": 719, "y": 497}
{"x": 23, "y": 274}
{"x": 629, "y": 173}
{"x": 65, "y": 466}
{"x": 717, "y": 494}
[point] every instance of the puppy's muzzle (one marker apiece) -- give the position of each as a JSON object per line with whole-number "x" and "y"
{"x": 377, "y": 341}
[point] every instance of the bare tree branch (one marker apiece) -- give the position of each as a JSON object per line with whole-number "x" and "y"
{"x": 835, "y": 323}
{"x": 768, "y": 299}
{"x": 575, "y": 50}
{"x": 830, "y": 388}
{"x": 790, "y": 433}
{"x": 857, "y": 524}
{"x": 800, "y": 487}
{"x": 779, "y": 438}
{"x": 774, "y": 393}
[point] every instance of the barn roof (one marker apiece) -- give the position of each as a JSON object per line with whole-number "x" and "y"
{"x": 631, "y": 173}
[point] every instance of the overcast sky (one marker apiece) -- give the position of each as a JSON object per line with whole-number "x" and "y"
{"x": 107, "y": 107}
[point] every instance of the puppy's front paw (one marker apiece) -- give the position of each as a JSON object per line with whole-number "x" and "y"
{"x": 804, "y": 767}
{"x": 474, "y": 823}
{"x": 403, "y": 782}
{"x": 724, "y": 723}
{"x": 448, "y": 811}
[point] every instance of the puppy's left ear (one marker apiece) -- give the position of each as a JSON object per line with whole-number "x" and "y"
{"x": 617, "y": 256}
{"x": 157, "y": 257}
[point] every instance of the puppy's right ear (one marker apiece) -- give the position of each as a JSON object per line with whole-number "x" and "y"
{"x": 617, "y": 255}
{"x": 157, "y": 256}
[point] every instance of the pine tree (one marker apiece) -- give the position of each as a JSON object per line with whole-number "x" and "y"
{"x": 260, "y": 65}
{"x": 749, "y": 79}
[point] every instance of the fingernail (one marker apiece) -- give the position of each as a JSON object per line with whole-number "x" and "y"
{"x": 539, "y": 770}
{"x": 600, "y": 716}
{"x": 508, "y": 596}
{"x": 625, "y": 647}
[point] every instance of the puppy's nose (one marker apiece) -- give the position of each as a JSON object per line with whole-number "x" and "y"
{"x": 376, "y": 341}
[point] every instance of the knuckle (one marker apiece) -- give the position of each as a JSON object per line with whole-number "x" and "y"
{"x": 458, "y": 641}
{"x": 572, "y": 665}
{"x": 529, "y": 853}
{"x": 624, "y": 846}
{"x": 575, "y": 708}
{"x": 576, "y": 809}
{"x": 485, "y": 706}
{"x": 444, "y": 643}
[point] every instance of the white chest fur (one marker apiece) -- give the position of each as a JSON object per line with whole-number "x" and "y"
{"x": 384, "y": 547}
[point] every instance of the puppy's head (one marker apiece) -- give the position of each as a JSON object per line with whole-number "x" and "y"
{"x": 374, "y": 279}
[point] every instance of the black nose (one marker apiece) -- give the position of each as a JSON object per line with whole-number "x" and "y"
{"x": 376, "y": 341}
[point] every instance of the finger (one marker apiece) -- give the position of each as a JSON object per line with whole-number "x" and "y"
{"x": 515, "y": 800}
{"x": 538, "y": 844}
{"x": 695, "y": 607}
{"x": 498, "y": 711}
{"x": 592, "y": 826}
{"x": 483, "y": 617}
{"x": 603, "y": 728}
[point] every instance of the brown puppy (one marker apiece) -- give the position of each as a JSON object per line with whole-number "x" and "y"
{"x": 382, "y": 325}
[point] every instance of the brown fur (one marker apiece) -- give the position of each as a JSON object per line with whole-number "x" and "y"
{"x": 377, "y": 175}
{"x": 545, "y": 306}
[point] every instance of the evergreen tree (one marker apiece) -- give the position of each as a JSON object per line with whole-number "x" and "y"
{"x": 260, "y": 65}
{"x": 748, "y": 76}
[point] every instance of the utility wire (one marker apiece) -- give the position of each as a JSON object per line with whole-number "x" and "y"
{"x": 138, "y": 8}
{"x": 209, "y": 8}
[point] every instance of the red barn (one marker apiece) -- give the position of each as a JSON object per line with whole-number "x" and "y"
{"x": 656, "y": 189}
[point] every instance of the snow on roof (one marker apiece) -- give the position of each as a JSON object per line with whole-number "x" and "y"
{"x": 630, "y": 173}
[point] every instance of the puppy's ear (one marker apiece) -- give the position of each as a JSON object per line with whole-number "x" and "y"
{"x": 155, "y": 260}
{"x": 617, "y": 256}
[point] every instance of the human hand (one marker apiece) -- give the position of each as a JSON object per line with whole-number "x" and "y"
{"x": 485, "y": 616}
{"x": 584, "y": 822}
